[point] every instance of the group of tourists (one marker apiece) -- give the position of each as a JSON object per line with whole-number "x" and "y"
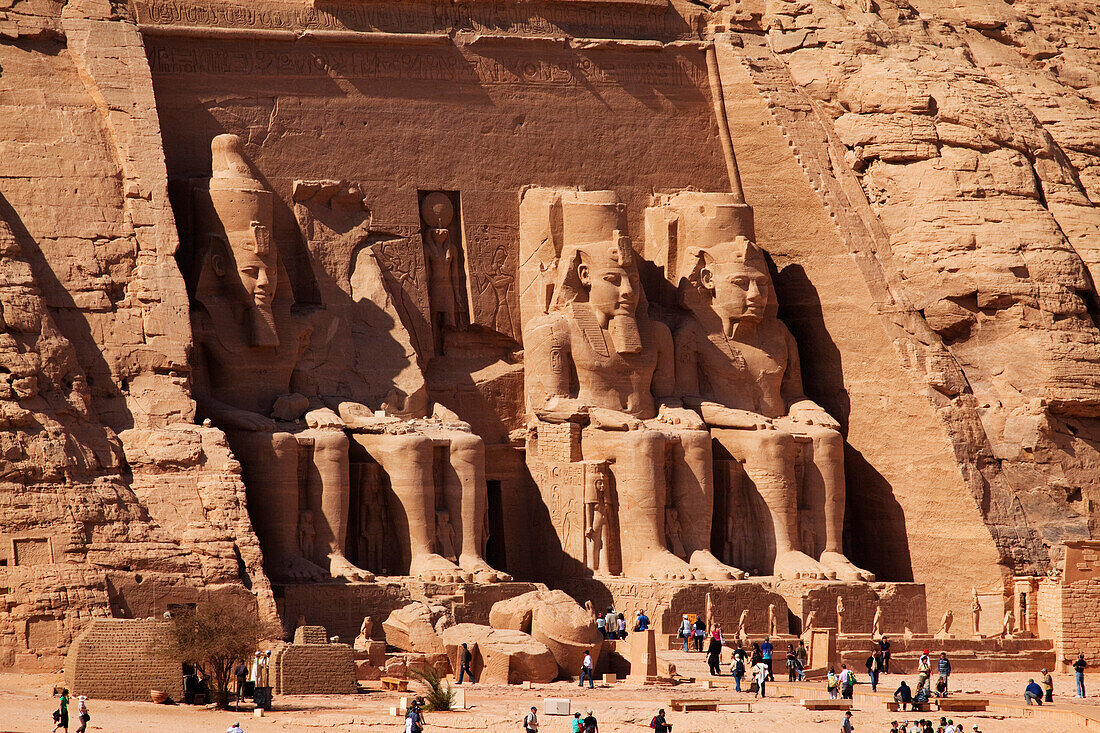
{"x": 927, "y": 726}
{"x": 612, "y": 625}
{"x": 61, "y": 714}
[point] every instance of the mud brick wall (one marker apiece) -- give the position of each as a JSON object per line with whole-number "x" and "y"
{"x": 314, "y": 669}
{"x": 118, "y": 659}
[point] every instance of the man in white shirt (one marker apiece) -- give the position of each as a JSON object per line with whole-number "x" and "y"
{"x": 760, "y": 674}
{"x": 586, "y": 670}
{"x": 531, "y": 721}
{"x": 235, "y": 728}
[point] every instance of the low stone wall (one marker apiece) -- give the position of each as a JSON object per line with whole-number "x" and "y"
{"x": 121, "y": 659}
{"x": 313, "y": 669}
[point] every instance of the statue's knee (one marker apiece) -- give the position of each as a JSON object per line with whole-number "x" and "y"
{"x": 284, "y": 446}
{"x": 466, "y": 445}
{"x": 330, "y": 441}
{"x": 828, "y": 444}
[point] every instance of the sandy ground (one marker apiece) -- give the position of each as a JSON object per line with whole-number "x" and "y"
{"x": 26, "y": 707}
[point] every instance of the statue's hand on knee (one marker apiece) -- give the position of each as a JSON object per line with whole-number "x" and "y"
{"x": 324, "y": 419}
{"x": 361, "y": 418}
{"x": 811, "y": 413}
{"x": 289, "y": 407}
{"x": 719, "y": 416}
{"x": 562, "y": 409}
{"x": 681, "y": 417}
{"x": 244, "y": 420}
{"x": 606, "y": 419}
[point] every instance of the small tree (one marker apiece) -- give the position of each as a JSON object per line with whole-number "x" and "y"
{"x": 438, "y": 697}
{"x": 214, "y": 635}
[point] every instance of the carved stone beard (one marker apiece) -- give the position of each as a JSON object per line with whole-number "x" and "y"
{"x": 625, "y": 335}
{"x": 263, "y": 326}
{"x": 623, "y": 330}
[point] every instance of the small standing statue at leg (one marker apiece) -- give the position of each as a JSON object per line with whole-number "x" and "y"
{"x": 839, "y": 615}
{"x": 596, "y": 510}
{"x": 975, "y": 611}
{"x": 876, "y": 623}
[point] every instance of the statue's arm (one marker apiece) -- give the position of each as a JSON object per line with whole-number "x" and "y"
{"x": 800, "y": 407}
{"x": 549, "y": 357}
{"x": 670, "y": 408}
{"x": 687, "y": 366}
{"x": 220, "y": 413}
{"x": 306, "y": 398}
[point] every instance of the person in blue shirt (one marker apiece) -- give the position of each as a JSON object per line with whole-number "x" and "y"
{"x": 945, "y": 671}
{"x": 1033, "y": 693}
{"x": 766, "y": 652}
{"x": 643, "y": 621}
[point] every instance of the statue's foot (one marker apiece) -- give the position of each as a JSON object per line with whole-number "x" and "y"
{"x": 794, "y": 564}
{"x": 660, "y": 565}
{"x": 298, "y": 569}
{"x": 340, "y": 567}
{"x": 707, "y": 566}
{"x": 437, "y": 569}
{"x": 844, "y": 568}
{"x": 481, "y": 570}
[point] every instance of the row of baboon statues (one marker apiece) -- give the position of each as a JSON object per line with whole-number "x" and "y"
{"x": 641, "y": 401}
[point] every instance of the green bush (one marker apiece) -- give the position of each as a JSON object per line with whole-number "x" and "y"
{"x": 438, "y": 697}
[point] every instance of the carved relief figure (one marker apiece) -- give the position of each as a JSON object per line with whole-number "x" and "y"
{"x": 248, "y": 345}
{"x": 597, "y": 530}
{"x": 496, "y": 285}
{"x": 599, "y": 331}
{"x": 975, "y": 610}
{"x": 445, "y": 535}
{"x": 306, "y": 533}
{"x": 444, "y": 277}
{"x": 738, "y": 365}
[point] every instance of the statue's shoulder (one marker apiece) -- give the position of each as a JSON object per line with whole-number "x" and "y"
{"x": 553, "y": 327}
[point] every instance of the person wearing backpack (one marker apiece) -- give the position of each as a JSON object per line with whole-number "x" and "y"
{"x": 832, "y": 684}
{"x": 738, "y": 669}
{"x": 531, "y": 721}
{"x": 658, "y": 724}
{"x": 82, "y": 713}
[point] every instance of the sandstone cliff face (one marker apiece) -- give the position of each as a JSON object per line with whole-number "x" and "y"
{"x": 923, "y": 174}
{"x": 963, "y": 136}
{"x": 113, "y": 502}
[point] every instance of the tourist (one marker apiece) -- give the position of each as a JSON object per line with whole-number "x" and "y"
{"x": 1079, "y": 674}
{"x": 240, "y": 671}
{"x": 832, "y": 684}
{"x": 928, "y": 726}
{"x": 756, "y": 656}
{"x": 621, "y": 627}
{"x": 235, "y": 728}
{"x": 611, "y": 623}
{"x": 847, "y": 682}
{"x": 924, "y": 670}
{"x": 685, "y": 632}
{"x": 920, "y": 697}
{"x": 945, "y": 672}
{"x": 590, "y": 724}
{"x": 872, "y": 665}
{"x": 578, "y": 724}
{"x": 761, "y": 674}
{"x": 717, "y": 634}
{"x": 884, "y": 647}
{"x": 531, "y": 721}
{"x": 586, "y": 670}
{"x": 465, "y": 657}
{"x": 658, "y": 724}
{"x": 82, "y": 713}
{"x": 700, "y": 632}
{"x": 903, "y": 695}
{"x": 414, "y": 719}
{"x": 1033, "y": 694}
{"x": 61, "y": 715}
{"x": 642, "y": 622}
{"x": 766, "y": 650}
{"x": 846, "y": 725}
{"x": 601, "y": 625}
{"x": 792, "y": 664}
{"x": 1048, "y": 687}
{"x": 714, "y": 657}
{"x": 803, "y": 656}
{"x": 737, "y": 669}
{"x": 894, "y": 727}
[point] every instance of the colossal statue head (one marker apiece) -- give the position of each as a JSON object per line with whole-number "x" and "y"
{"x": 236, "y": 228}
{"x": 598, "y": 267}
{"x": 732, "y": 278}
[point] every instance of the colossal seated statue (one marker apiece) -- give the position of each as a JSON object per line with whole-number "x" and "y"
{"x": 737, "y": 364}
{"x": 596, "y": 361}
{"x": 251, "y": 379}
